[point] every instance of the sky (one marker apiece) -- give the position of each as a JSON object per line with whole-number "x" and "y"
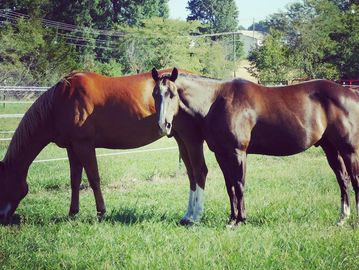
{"x": 248, "y": 9}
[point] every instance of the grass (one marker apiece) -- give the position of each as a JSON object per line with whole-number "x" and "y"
{"x": 292, "y": 206}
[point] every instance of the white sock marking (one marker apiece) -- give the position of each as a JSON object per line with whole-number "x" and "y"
{"x": 345, "y": 210}
{"x": 191, "y": 202}
{"x": 199, "y": 204}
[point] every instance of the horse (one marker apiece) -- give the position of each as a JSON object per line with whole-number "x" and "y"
{"x": 239, "y": 117}
{"x": 81, "y": 112}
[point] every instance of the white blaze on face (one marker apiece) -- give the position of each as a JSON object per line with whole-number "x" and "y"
{"x": 162, "y": 115}
{"x": 5, "y": 210}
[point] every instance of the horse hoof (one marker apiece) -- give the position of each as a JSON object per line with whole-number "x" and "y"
{"x": 186, "y": 222}
{"x": 234, "y": 224}
{"x": 73, "y": 212}
{"x": 341, "y": 222}
{"x": 15, "y": 219}
{"x": 101, "y": 215}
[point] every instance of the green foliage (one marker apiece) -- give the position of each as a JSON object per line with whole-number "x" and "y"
{"x": 319, "y": 39}
{"x": 261, "y": 26}
{"x": 216, "y": 15}
{"x": 269, "y": 63}
{"x": 25, "y": 53}
{"x": 164, "y": 43}
{"x": 346, "y": 57}
{"x": 160, "y": 43}
{"x": 35, "y": 54}
{"x": 101, "y": 14}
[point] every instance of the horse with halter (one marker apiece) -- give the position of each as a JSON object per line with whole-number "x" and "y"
{"x": 239, "y": 117}
{"x": 80, "y": 113}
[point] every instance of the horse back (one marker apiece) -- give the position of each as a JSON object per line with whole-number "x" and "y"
{"x": 285, "y": 120}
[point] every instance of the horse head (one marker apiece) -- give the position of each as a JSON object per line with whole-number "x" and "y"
{"x": 12, "y": 191}
{"x": 166, "y": 99}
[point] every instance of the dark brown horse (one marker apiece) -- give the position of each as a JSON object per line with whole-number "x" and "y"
{"x": 240, "y": 117}
{"x": 80, "y": 113}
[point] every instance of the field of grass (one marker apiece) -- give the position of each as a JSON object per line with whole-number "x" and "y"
{"x": 292, "y": 206}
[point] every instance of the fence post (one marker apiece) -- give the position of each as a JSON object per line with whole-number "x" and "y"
{"x": 234, "y": 55}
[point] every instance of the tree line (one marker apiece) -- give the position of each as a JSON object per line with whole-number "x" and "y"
{"x": 310, "y": 39}
{"x": 42, "y": 40}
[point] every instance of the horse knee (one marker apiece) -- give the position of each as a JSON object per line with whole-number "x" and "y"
{"x": 95, "y": 184}
{"x": 201, "y": 176}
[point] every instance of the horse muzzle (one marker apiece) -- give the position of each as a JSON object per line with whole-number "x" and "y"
{"x": 165, "y": 127}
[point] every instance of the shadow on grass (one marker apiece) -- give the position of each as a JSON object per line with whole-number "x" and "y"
{"x": 128, "y": 215}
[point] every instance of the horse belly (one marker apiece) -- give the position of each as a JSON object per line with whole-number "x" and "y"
{"x": 126, "y": 134}
{"x": 277, "y": 141}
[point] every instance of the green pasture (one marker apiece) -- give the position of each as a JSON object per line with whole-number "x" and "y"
{"x": 292, "y": 207}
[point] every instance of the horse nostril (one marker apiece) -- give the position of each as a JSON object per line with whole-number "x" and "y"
{"x": 168, "y": 125}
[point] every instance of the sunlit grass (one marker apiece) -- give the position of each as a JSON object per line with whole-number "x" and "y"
{"x": 292, "y": 205}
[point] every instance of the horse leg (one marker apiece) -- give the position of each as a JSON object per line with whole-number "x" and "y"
{"x": 76, "y": 175}
{"x": 337, "y": 164}
{"x": 193, "y": 158}
{"x": 86, "y": 154}
{"x": 200, "y": 171}
{"x": 352, "y": 163}
{"x": 186, "y": 219}
{"x": 233, "y": 167}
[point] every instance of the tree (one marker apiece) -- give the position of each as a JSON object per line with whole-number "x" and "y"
{"x": 346, "y": 37}
{"x": 270, "y": 62}
{"x": 321, "y": 38}
{"x": 216, "y": 15}
{"x": 159, "y": 43}
{"x": 91, "y": 13}
{"x": 167, "y": 43}
{"x": 30, "y": 54}
{"x": 259, "y": 26}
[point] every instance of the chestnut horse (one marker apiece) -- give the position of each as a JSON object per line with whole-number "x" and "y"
{"x": 239, "y": 117}
{"x": 80, "y": 113}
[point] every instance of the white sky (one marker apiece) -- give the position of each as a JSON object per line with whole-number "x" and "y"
{"x": 248, "y": 9}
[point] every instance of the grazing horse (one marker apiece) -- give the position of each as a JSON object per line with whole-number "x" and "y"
{"x": 239, "y": 117}
{"x": 80, "y": 113}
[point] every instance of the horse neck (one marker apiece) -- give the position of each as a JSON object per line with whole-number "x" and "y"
{"x": 32, "y": 135}
{"x": 197, "y": 95}
{"x": 19, "y": 157}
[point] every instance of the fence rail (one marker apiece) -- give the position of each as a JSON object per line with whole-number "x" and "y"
{"x": 23, "y": 89}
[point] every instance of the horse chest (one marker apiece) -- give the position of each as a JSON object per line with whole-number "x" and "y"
{"x": 222, "y": 133}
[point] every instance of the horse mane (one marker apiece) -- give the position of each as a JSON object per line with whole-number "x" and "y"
{"x": 38, "y": 113}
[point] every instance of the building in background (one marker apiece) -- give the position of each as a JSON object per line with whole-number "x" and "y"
{"x": 250, "y": 40}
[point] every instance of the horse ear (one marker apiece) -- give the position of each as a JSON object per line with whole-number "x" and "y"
{"x": 155, "y": 74}
{"x": 174, "y": 74}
